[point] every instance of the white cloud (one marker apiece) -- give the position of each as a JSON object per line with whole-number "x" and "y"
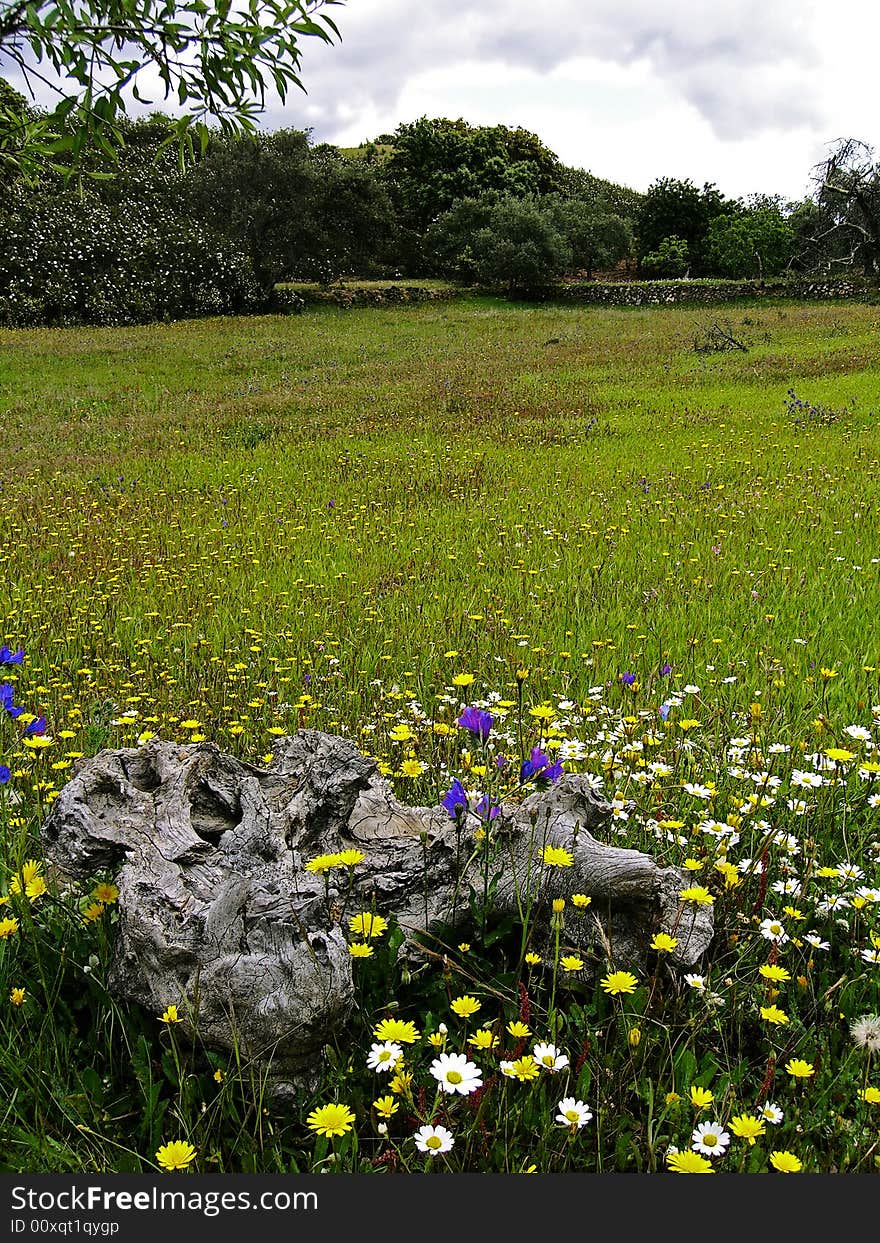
{"x": 745, "y": 93}
{"x": 739, "y": 63}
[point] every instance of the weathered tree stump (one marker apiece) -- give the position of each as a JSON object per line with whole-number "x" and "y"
{"x": 218, "y": 914}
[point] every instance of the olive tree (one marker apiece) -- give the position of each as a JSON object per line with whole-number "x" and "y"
{"x": 213, "y": 59}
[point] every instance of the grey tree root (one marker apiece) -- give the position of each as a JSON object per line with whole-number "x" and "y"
{"x": 218, "y": 914}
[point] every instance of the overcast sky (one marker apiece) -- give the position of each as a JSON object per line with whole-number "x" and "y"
{"x": 745, "y": 93}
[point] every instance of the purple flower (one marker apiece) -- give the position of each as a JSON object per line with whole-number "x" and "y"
{"x": 535, "y": 764}
{"x": 486, "y": 809}
{"x": 477, "y": 721}
{"x": 455, "y": 800}
{"x": 665, "y": 670}
{"x": 627, "y": 678}
{"x": 6, "y": 694}
{"x": 538, "y": 765}
{"x": 664, "y": 711}
{"x": 39, "y": 726}
{"x": 5, "y": 774}
{"x": 8, "y": 657}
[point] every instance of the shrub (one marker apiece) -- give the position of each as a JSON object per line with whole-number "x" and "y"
{"x": 669, "y": 259}
{"x": 67, "y": 258}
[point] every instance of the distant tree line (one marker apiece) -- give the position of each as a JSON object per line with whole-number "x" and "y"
{"x": 133, "y": 234}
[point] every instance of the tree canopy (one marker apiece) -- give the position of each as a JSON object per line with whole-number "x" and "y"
{"x": 846, "y": 225}
{"x": 213, "y": 59}
{"x": 678, "y": 209}
{"x": 436, "y": 163}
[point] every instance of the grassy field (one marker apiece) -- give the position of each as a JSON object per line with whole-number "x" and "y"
{"x": 229, "y": 529}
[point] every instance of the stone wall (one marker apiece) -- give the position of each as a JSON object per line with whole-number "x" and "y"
{"x": 702, "y": 292}
{"x": 390, "y": 295}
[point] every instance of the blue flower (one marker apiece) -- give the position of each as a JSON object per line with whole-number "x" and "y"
{"x": 535, "y": 764}
{"x": 665, "y": 670}
{"x": 8, "y": 657}
{"x": 486, "y": 809}
{"x": 627, "y": 678}
{"x": 6, "y": 694}
{"x": 477, "y": 721}
{"x": 5, "y": 774}
{"x": 538, "y": 765}
{"x": 39, "y": 726}
{"x": 455, "y": 800}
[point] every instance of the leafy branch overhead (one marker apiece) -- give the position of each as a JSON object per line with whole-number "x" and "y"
{"x": 215, "y": 59}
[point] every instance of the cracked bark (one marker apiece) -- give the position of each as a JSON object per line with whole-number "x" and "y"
{"x": 218, "y": 914}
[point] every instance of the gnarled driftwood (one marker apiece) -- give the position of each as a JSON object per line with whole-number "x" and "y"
{"x": 218, "y": 914}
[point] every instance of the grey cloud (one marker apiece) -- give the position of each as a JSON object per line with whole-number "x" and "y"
{"x": 741, "y": 64}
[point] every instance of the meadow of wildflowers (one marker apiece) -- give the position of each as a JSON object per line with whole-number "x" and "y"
{"x": 489, "y": 544}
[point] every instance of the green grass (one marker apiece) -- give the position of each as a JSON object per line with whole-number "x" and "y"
{"x": 274, "y": 521}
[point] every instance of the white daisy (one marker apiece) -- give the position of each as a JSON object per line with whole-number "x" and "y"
{"x": 455, "y": 1073}
{"x": 709, "y": 1139}
{"x": 573, "y": 1113}
{"x": 433, "y": 1140}
{"x": 773, "y": 930}
{"x": 549, "y": 1057}
{"x": 384, "y": 1057}
{"x": 771, "y": 1113}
